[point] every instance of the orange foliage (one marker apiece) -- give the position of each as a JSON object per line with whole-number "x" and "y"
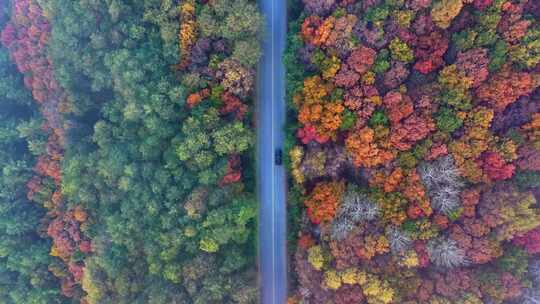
{"x": 389, "y": 183}
{"x": 469, "y": 199}
{"x": 188, "y": 31}
{"x": 315, "y": 31}
{"x": 315, "y": 111}
{"x": 365, "y": 152}
{"x": 505, "y": 87}
{"x": 324, "y": 201}
{"x": 532, "y": 129}
{"x": 414, "y": 191}
{"x": 79, "y": 214}
{"x": 373, "y": 246}
{"x": 195, "y": 98}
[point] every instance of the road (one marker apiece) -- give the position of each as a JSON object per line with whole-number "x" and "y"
{"x": 271, "y": 178}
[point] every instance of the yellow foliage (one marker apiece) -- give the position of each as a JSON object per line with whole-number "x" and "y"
{"x": 476, "y": 140}
{"x": 316, "y": 257}
{"x": 296, "y": 154}
{"x": 332, "y": 280}
{"x": 54, "y": 251}
{"x": 361, "y": 278}
{"x": 444, "y": 11}
{"x": 377, "y": 291}
{"x": 315, "y": 90}
{"x": 332, "y": 67}
{"x": 410, "y": 259}
{"x": 508, "y": 150}
{"x": 519, "y": 217}
{"x": 188, "y": 29}
{"x": 369, "y": 79}
{"x": 349, "y": 276}
{"x": 439, "y": 300}
{"x": 532, "y": 130}
{"x": 470, "y": 299}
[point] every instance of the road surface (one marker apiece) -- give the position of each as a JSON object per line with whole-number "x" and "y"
{"x": 271, "y": 178}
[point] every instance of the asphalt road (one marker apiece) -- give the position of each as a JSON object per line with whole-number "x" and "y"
{"x": 271, "y": 177}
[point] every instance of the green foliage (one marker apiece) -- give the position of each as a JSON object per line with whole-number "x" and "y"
{"x": 233, "y": 138}
{"x": 139, "y": 153}
{"x": 401, "y": 51}
{"x": 378, "y": 118}
{"x": 447, "y": 120}
{"x": 348, "y": 120}
{"x": 527, "y": 179}
{"x": 24, "y": 254}
{"x": 382, "y": 62}
{"x": 514, "y": 261}
{"x": 377, "y": 13}
{"x": 527, "y": 53}
{"x": 498, "y": 55}
{"x": 407, "y": 160}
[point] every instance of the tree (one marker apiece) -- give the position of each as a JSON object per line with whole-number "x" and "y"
{"x": 324, "y": 201}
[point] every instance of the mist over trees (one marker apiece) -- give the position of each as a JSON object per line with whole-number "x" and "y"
{"x": 136, "y": 154}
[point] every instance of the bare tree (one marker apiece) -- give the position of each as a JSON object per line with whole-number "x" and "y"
{"x": 443, "y": 182}
{"x": 355, "y": 208}
{"x": 399, "y": 240}
{"x": 444, "y": 252}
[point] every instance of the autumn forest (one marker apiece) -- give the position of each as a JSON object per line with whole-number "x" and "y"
{"x": 128, "y": 151}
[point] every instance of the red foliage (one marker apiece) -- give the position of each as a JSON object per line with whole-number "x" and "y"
{"x": 85, "y": 246}
{"x": 422, "y": 253}
{"x": 305, "y": 241}
{"x": 346, "y": 77}
{"x": 414, "y": 211}
{"x": 529, "y": 158}
{"x": 46, "y": 167}
{"x": 474, "y": 63}
{"x": 469, "y": 199}
{"x": 398, "y": 105}
{"x": 361, "y": 59}
{"x": 505, "y": 87}
{"x": 316, "y": 31}
{"x": 482, "y": 4}
{"x": 530, "y": 241}
{"x": 25, "y": 36}
{"x": 396, "y": 75}
{"x": 233, "y": 104}
{"x": 347, "y": 294}
{"x": 234, "y": 171}
{"x": 511, "y": 286}
{"x": 437, "y": 151}
{"x": 362, "y": 100}
{"x": 429, "y": 51}
{"x": 495, "y": 167}
{"x": 77, "y": 270}
{"x": 441, "y": 221}
{"x": 414, "y": 128}
{"x": 309, "y": 133}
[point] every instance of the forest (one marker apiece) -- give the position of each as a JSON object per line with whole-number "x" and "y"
{"x": 414, "y": 151}
{"x": 127, "y": 151}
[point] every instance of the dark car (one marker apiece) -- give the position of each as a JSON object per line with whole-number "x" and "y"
{"x": 278, "y": 157}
